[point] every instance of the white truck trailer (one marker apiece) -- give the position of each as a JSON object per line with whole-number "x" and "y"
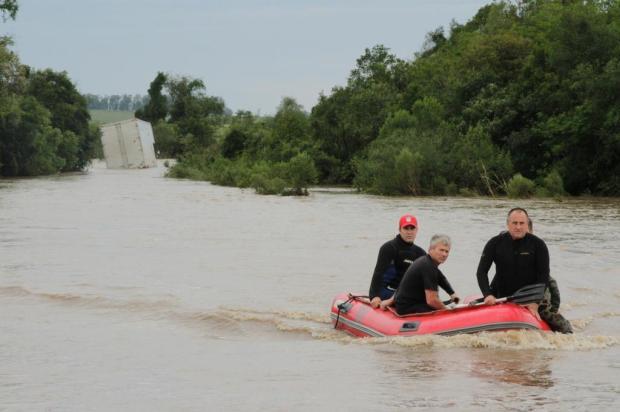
{"x": 128, "y": 144}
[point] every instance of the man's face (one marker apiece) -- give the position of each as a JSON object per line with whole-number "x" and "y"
{"x": 439, "y": 253}
{"x": 408, "y": 233}
{"x": 517, "y": 224}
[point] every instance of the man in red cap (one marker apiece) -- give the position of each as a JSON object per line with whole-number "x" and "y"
{"x": 394, "y": 259}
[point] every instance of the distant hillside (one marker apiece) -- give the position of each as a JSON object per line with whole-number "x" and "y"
{"x": 109, "y": 116}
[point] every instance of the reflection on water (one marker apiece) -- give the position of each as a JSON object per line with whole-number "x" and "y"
{"x": 527, "y": 368}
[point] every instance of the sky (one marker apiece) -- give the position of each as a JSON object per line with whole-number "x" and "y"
{"x": 249, "y": 53}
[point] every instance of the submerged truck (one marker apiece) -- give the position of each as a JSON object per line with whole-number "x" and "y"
{"x": 128, "y": 144}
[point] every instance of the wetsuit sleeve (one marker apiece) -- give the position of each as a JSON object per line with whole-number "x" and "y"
{"x": 542, "y": 263}
{"x": 442, "y": 281}
{"x": 386, "y": 255}
{"x": 483, "y": 267}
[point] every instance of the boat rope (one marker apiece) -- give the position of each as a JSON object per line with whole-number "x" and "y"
{"x": 343, "y": 304}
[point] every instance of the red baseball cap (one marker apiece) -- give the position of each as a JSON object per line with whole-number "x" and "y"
{"x": 407, "y": 220}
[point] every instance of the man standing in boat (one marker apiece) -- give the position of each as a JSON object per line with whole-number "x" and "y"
{"x": 418, "y": 291}
{"x": 521, "y": 258}
{"x": 394, "y": 258}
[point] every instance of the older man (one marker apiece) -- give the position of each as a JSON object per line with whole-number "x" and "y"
{"x": 418, "y": 291}
{"x": 520, "y": 258}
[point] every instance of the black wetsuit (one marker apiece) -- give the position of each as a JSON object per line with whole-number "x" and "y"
{"x": 423, "y": 274}
{"x": 394, "y": 258}
{"x": 518, "y": 263}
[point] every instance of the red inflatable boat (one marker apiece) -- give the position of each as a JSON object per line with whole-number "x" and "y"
{"x": 355, "y": 316}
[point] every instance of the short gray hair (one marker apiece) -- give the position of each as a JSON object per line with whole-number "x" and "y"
{"x": 443, "y": 239}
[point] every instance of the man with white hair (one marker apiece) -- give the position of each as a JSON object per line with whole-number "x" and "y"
{"x": 418, "y": 290}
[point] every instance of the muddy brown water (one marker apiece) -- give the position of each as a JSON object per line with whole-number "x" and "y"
{"x": 125, "y": 290}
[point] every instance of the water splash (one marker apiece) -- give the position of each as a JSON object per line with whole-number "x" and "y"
{"x": 235, "y": 321}
{"x": 514, "y": 340}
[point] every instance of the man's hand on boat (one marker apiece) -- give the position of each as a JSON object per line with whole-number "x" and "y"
{"x": 489, "y": 300}
{"x": 532, "y": 306}
{"x": 375, "y": 302}
{"x": 386, "y": 303}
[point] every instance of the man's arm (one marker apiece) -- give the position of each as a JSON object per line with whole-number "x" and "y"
{"x": 482, "y": 274}
{"x": 385, "y": 303}
{"x": 442, "y": 281}
{"x": 542, "y": 262}
{"x": 445, "y": 285}
{"x": 432, "y": 299}
{"x": 384, "y": 259}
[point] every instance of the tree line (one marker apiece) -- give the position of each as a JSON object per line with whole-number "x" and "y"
{"x": 117, "y": 102}
{"x": 272, "y": 154}
{"x": 520, "y": 100}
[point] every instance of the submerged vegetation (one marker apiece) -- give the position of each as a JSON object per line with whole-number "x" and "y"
{"x": 520, "y": 101}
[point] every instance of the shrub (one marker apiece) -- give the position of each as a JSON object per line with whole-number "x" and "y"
{"x": 520, "y": 187}
{"x": 265, "y": 181}
{"x": 407, "y": 170}
{"x": 185, "y": 171}
{"x": 300, "y": 172}
{"x": 553, "y": 184}
{"x": 166, "y": 139}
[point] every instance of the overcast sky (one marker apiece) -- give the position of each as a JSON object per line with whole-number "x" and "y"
{"x": 250, "y": 53}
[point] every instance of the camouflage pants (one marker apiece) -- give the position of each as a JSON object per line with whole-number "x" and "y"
{"x": 549, "y": 313}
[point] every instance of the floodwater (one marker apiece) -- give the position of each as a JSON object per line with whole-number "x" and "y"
{"x": 122, "y": 290}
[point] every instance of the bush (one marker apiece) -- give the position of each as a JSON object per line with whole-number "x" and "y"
{"x": 234, "y": 143}
{"x": 166, "y": 139}
{"x": 467, "y": 192}
{"x": 268, "y": 186}
{"x": 476, "y": 163}
{"x": 407, "y": 170}
{"x": 300, "y": 172}
{"x": 185, "y": 171}
{"x": 406, "y": 162}
{"x": 553, "y": 184}
{"x": 265, "y": 181}
{"x": 520, "y": 187}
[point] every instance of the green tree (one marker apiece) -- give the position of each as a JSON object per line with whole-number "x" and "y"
{"x": 156, "y": 109}
{"x": 167, "y": 144}
{"x": 29, "y": 145}
{"x": 195, "y": 113}
{"x": 8, "y": 9}
{"x": 344, "y": 123}
{"x": 376, "y": 65}
{"x": 12, "y": 73}
{"x": 234, "y": 143}
{"x": 69, "y": 113}
{"x": 291, "y": 131}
